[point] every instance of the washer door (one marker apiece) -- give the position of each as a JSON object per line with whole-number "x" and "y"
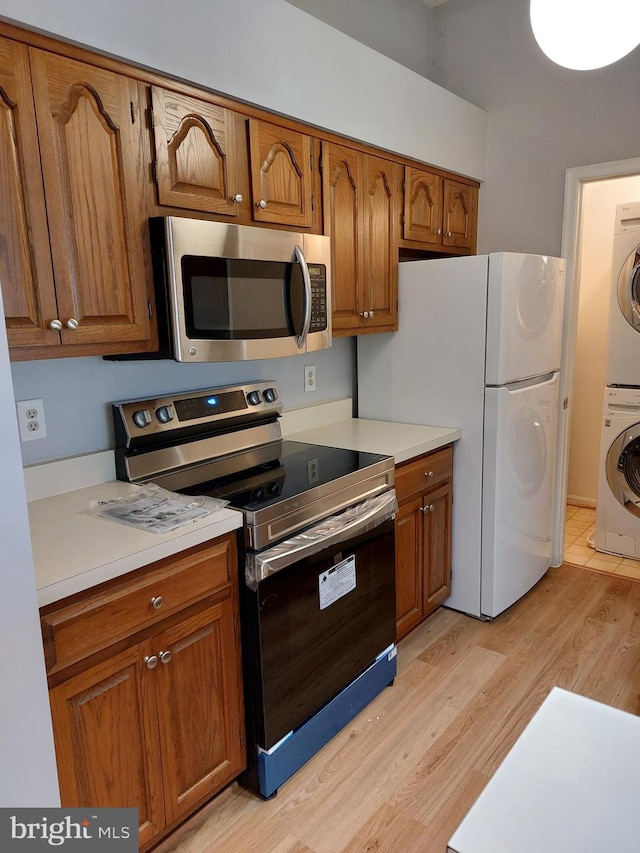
{"x": 623, "y": 469}
{"x": 629, "y": 289}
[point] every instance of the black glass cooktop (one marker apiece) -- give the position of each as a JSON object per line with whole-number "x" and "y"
{"x": 295, "y": 468}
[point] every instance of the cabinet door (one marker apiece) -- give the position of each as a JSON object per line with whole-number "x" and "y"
{"x": 422, "y": 206}
{"x": 200, "y": 714}
{"x": 281, "y": 174}
{"x": 342, "y": 198}
{"x": 379, "y": 298}
{"x": 437, "y": 548}
{"x": 196, "y": 154}
{"x": 106, "y": 739}
{"x": 460, "y": 201}
{"x": 409, "y": 569}
{"x": 26, "y": 276}
{"x": 94, "y": 152}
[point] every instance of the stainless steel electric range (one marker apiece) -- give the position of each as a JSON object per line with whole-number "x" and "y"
{"x": 317, "y": 558}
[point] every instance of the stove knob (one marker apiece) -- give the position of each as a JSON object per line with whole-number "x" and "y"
{"x": 270, "y": 395}
{"x": 164, "y": 414}
{"x": 253, "y": 397}
{"x": 142, "y": 418}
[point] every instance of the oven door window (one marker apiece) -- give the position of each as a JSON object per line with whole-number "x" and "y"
{"x": 233, "y": 299}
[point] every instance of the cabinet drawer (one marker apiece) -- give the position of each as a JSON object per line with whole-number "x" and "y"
{"x": 104, "y": 617}
{"x": 418, "y": 476}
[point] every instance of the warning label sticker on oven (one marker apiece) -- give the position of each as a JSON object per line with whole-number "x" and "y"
{"x": 337, "y": 581}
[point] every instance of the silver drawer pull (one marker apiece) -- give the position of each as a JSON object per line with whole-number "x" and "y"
{"x": 157, "y": 601}
{"x": 428, "y": 475}
{"x": 165, "y": 657}
{"x": 151, "y": 661}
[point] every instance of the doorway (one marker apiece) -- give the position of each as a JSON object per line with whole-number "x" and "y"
{"x": 591, "y": 196}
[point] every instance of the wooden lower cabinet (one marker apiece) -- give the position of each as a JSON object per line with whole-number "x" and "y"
{"x": 423, "y": 537}
{"x": 159, "y": 725}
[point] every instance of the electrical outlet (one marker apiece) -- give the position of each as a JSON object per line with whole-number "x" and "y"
{"x": 31, "y": 422}
{"x": 310, "y": 377}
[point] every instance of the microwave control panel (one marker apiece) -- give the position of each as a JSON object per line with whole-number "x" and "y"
{"x": 318, "y": 276}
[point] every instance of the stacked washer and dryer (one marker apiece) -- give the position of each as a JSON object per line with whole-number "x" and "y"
{"x": 618, "y": 502}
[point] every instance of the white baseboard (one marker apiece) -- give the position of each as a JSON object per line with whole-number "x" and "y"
{"x": 576, "y": 500}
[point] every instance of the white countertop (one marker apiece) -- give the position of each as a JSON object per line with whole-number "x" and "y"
{"x": 74, "y": 549}
{"x": 402, "y": 441}
{"x": 571, "y": 782}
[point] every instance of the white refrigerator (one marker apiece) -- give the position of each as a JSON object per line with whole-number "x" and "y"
{"x": 478, "y": 348}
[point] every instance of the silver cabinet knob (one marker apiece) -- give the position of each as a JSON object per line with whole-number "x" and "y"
{"x": 426, "y": 509}
{"x": 72, "y": 324}
{"x": 370, "y": 313}
{"x": 165, "y": 657}
{"x": 448, "y": 234}
{"x": 151, "y": 661}
{"x": 364, "y": 314}
{"x": 55, "y": 325}
{"x": 261, "y": 204}
{"x": 237, "y": 198}
{"x": 157, "y": 601}
{"x": 428, "y": 475}
{"x": 437, "y": 231}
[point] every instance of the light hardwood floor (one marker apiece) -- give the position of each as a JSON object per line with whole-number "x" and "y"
{"x": 402, "y": 776}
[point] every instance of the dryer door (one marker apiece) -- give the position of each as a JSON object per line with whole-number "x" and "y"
{"x": 623, "y": 469}
{"x": 629, "y": 290}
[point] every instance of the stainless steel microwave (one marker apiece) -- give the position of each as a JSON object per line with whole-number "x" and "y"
{"x": 236, "y": 292}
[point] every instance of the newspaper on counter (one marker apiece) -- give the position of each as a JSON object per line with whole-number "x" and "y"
{"x": 157, "y": 510}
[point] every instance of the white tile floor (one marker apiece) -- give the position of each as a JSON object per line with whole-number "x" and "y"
{"x": 580, "y": 524}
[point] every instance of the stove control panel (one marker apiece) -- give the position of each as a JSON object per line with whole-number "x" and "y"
{"x": 137, "y": 420}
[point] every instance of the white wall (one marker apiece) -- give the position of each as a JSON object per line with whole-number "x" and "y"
{"x": 599, "y": 200}
{"x": 401, "y": 30}
{"x": 27, "y": 762}
{"x": 543, "y": 119}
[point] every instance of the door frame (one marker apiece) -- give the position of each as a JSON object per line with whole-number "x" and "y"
{"x": 575, "y": 179}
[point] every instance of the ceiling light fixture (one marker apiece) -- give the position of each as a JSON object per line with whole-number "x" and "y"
{"x": 583, "y": 36}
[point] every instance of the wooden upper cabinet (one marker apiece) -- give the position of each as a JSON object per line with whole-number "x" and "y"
{"x": 282, "y": 174}
{"x": 422, "y": 206}
{"x": 361, "y": 207}
{"x": 439, "y": 213}
{"x": 94, "y": 156}
{"x": 460, "y": 215}
{"x": 26, "y": 276}
{"x": 381, "y": 221}
{"x": 342, "y": 204}
{"x": 200, "y": 154}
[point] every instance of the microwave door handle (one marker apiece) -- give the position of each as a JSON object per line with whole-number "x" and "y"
{"x": 300, "y": 258}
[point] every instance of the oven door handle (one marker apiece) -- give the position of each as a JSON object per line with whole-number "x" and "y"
{"x": 300, "y": 258}
{"x": 353, "y": 521}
